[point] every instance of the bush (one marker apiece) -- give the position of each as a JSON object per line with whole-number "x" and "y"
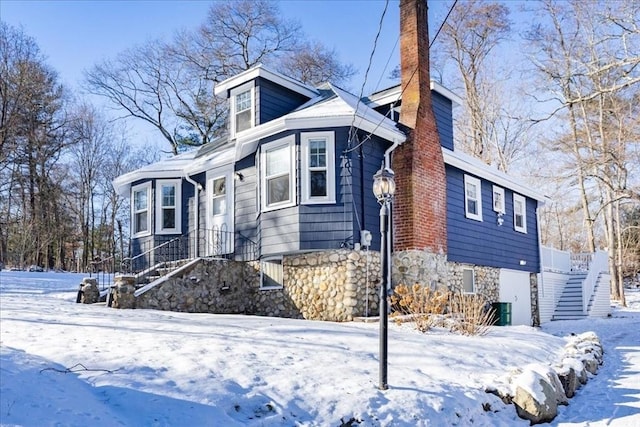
{"x": 464, "y": 314}
{"x": 419, "y": 303}
{"x": 470, "y": 314}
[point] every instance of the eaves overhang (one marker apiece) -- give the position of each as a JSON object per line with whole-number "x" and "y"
{"x": 474, "y": 166}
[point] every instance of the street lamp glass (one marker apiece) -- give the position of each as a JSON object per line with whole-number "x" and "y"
{"x": 384, "y": 186}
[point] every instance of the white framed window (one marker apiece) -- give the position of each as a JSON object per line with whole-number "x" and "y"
{"x": 271, "y": 273}
{"x": 519, "y": 213}
{"x": 168, "y": 202}
{"x": 140, "y": 216}
{"x": 472, "y": 198}
{"x": 242, "y": 108}
{"x": 498, "y": 199}
{"x": 318, "y": 167}
{"x": 468, "y": 281}
{"x": 277, "y": 170}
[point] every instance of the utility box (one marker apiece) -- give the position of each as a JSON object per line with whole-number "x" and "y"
{"x": 501, "y": 313}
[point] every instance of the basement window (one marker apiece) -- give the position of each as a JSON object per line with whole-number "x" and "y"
{"x": 468, "y": 281}
{"x": 271, "y": 273}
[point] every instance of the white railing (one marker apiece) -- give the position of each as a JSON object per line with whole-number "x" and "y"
{"x": 555, "y": 260}
{"x": 599, "y": 263}
{"x": 580, "y": 262}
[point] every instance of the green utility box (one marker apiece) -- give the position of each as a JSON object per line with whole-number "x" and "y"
{"x": 501, "y": 313}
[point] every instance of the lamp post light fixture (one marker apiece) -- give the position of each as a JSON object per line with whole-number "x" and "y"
{"x": 384, "y": 187}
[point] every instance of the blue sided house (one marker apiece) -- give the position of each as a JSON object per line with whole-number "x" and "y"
{"x": 278, "y": 217}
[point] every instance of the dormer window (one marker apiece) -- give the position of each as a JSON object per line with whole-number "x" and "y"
{"x": 242, "y": 108}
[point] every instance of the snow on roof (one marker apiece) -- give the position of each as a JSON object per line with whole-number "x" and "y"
{"x": 329, "y": 109}
{"x": 171, "y": 167}
{"x": 260, "y": 71}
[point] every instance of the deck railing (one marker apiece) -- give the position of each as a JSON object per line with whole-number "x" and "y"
{"x": 555, "y": 260}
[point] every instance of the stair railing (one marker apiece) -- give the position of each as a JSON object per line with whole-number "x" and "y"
{"x": 171, "y": 250}
{"x": 598, "y": 264}
{"x": 103, "y": 270}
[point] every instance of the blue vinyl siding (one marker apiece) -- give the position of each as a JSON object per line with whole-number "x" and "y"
{"x": 246, "y": 202}
{"x": 142, "y": 244}
{"x": 443, "y": 111}
{"x": 484, "y": 242}
{"x": 273, "y": 101}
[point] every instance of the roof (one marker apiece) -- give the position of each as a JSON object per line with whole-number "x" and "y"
{"x": 392, "y": 95}
{"x": 260, "y": 71}
{"x": 473, "y": 165}
{"x": 333, "y": 107}
{"x": 172, "y": 167}
{"x": 329, "y": 106}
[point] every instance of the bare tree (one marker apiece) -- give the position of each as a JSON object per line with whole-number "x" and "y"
{"x": 169, "y": 85}
{"x": 589, "y": 56}
{"x": 469, "y": 36}
{"x": 313, "y": 63}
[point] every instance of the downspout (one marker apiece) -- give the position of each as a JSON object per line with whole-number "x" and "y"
{"x": 387, "y": 165}
{"x": 540, "y": 267}
{"x": 196, "y": 210}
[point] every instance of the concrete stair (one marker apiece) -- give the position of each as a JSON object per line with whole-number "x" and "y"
{"x": 570, "y": 304}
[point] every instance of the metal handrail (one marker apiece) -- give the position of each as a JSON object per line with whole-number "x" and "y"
{"x": 150, "y": 250}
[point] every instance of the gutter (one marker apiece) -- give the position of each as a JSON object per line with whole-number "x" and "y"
{"x": 387, "y": 154}
{"x": 196, "y": 191}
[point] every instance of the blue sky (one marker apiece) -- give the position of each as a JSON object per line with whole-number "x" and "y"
{"x": 75, "y": 34}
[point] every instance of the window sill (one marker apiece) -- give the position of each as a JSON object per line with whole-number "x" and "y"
{"x": 169, "y": 231}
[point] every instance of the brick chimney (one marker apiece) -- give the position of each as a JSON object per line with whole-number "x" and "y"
{"x": 419, "y": 208}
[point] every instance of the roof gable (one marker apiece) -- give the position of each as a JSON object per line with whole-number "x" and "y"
{"x": 260, "y": 71}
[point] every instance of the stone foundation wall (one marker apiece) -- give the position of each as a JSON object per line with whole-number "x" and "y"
{"x": 335, "y": 285}
{"x": 213, "y": 286}
{"x": 414, "y": 266}
{"x": 327, "y": 285}
{"x": 535, "y": 306}
{"x": 487, "y": 279}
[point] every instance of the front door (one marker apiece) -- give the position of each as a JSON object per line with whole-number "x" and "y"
{"x": 515, "y": 288}
{"x": 220, "y": 232}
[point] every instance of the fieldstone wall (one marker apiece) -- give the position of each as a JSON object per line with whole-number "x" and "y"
{"x": 415, "y": 266}
{"x": 487, "y": 279}
{"x": 336, "y": 285}
{"x": 329, "y": 285}
{"x": 535, "y": 306}
{"x": 123, "y": 290}
{"x": 90, "y": 293}
{"x": 212, "y": 286}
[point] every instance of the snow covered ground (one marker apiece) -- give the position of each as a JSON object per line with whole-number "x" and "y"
{"x": 67, "y": 364}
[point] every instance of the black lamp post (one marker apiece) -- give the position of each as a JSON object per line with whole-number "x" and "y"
{"x": 384, "y": 187}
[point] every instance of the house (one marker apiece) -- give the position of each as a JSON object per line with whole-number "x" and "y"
{"x": 279, "y": 217}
